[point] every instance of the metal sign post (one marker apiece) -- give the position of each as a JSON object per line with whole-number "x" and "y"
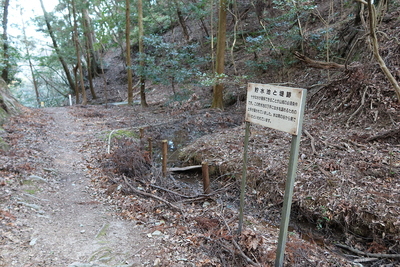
{"x": 244, "y": 174}
{"x": 280, "y": 108}
{"x": 287, "y": 201}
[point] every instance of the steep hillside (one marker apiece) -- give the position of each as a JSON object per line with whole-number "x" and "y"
{"x": 268, "y": 43}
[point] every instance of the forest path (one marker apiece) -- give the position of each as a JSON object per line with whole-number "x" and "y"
{"x": 60, "y": 221}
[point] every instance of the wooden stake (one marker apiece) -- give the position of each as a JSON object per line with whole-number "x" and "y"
{"x": 141, "y": 133}
{"x": 150, "y": 140}
{"x": 164, "y": 157}
{"x": 206, "y": 178}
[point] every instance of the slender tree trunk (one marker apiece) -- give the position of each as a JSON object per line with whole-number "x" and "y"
{"x": 58, "y": 52}
{"x": 6, "y": 57}
{"x": 236, "y": 16}
{"x": 220, "y": 60}
{"x": 128, "y": 51}
{"x": 35, "y": 86}
{"x": 375, "y": 48}
{"x": 77, "y": 93}
{"x": 90, "y": 75}
{"x": 104, "y": 83}
{"x": 78, "y": 54}
{"x": 203, "y": 25}
{"x": 90, "y": 57}
{"x": 49, "y": 84}
{"x": 142, "y": 79}
{"x": 89, "y": 33}
{"x": 182, "y": 23}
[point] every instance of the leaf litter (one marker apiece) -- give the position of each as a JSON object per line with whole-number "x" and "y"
{"x": 346, "y": 190}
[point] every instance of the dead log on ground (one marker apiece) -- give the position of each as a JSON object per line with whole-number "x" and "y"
{"x": 394, "y": 133}
{"x": 320, "y": 64}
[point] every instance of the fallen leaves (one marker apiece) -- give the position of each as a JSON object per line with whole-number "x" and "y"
{"x": 6, "y": 215}
{"x": 342, "y": 192}
{"x": 250, "y": 241}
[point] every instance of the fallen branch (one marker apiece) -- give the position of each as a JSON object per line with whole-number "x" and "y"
{"x": 195, "y": 198}
{"x": 358, "y": 109}
{"x": 371, "y": 255}
{"x": 241, "y": 253}
{"x": 167, "y": 190}
{"x": 312, "y": 141}
{"x": 236, "y": 245}
{"x": 237, "y": 251}
{"x": 319, "y": 64}
{"x": 363, "y": 260}
{"x": 384, "y": 135}
{"x": 151, "y": 195}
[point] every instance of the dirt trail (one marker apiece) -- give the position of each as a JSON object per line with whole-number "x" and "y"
{"x": 60, "y": 222}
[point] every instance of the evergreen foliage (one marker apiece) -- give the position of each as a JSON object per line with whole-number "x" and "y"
{"x": 168, "y": 63}
{"x": 269, "y": 43}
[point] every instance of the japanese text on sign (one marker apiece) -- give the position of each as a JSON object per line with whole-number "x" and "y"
{"x": 276, "y": 107}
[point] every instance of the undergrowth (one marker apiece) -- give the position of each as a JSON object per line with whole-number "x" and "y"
{"x": 129, "y": 158}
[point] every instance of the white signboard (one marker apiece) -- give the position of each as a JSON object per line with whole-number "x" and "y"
{"x": 276, "y": 107}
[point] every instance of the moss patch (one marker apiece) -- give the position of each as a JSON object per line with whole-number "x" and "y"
{"x": 123, "y": 133}
{"x": 31, "y": 191}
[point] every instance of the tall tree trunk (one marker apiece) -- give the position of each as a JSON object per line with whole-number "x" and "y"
{"x": 142, "y": 79}
{"x": 217, "y": 101}
{"x": 6, "y": 57}
{"x": 90, "y": 74}
{"x": 35, "y": 86}
{"x": 58, "y": 52}
{"x": 78, "y": 54}
{"x": 104, "y": 83}
{"x": 89, "y": 33}
{"x": 90, "y": 53}
{"x": 75, "y": 71}
{"x": 128, "y": 51}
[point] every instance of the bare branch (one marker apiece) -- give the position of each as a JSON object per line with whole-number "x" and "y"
{"x": 372, "y": 255}
{"x": 319, "y": 64}
{"x": 152, "y": 196}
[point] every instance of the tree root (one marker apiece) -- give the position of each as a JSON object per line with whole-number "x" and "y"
{"x": 152, "y": 196}
{"x": 391, "y": 133}
{"x": 319, "y": 64}
{"x": 359, "y": 108}
{"x": 371, "y": 255}
{"x": 312, "y": 141}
